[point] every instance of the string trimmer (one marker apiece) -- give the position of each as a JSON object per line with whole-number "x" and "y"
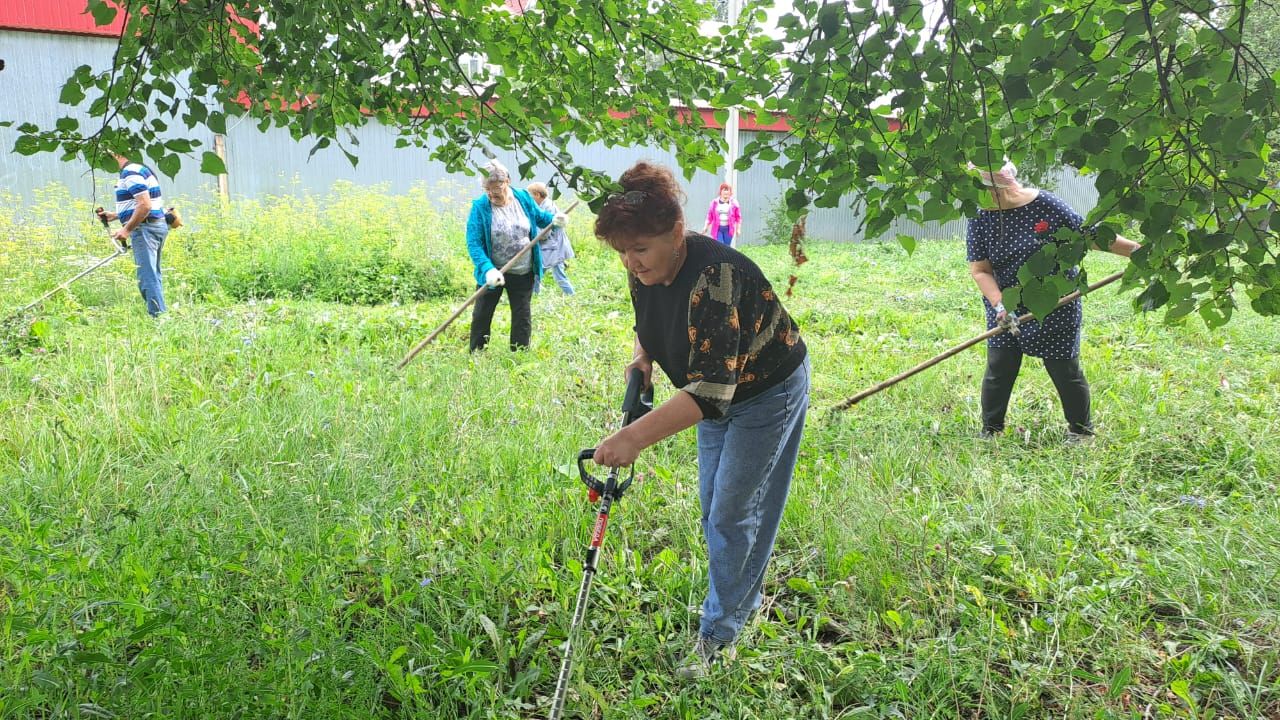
{"x": 635, "y": 404}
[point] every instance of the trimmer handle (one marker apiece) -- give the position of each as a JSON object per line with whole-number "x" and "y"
{"x": 594, "y": 486}
{"x": 102, "y": 218}
{"x": 597, "y": 487}
{"x": 638, "y": 400}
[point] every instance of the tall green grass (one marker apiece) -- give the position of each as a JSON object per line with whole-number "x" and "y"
{"x": 356, "y": 246}
{"x": 243, "y": 511}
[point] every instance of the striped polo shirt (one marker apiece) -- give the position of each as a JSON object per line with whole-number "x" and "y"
{"x": 136, "y": 178}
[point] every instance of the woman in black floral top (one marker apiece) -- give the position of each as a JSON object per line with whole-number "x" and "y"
{"x": 999, "y": 242}
{"x": 709, "y": 318}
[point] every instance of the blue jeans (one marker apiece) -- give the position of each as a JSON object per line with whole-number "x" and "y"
{"x": 724, "y": 235}
{"x": 745, "y": 462}
{"x": 557, "y": 272}
{"x": 148, "y": 241}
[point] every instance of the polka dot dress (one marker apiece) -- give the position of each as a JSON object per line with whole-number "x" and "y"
{"x": 1008, "y": 238}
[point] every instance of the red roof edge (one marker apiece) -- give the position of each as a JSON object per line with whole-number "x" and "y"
{"x": 71, "y": 17}
{"x": 67, "y": 17}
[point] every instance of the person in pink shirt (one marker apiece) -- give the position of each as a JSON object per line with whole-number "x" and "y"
{"x": 724, "y": 217}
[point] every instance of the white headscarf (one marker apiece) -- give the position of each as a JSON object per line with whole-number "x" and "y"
{"x": 1005, "y": 177}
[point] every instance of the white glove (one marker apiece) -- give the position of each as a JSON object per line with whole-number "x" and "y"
{"x": 560, "y": 219}
{"x": 493, "y": 278}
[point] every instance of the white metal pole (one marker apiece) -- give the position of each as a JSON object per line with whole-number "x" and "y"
{"x": 224, "y": 184}
{"x": 731, "y": 135}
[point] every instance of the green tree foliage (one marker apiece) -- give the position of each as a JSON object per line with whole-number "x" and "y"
{"x": 322, "y": 67}
{"x": 1163, "y": 101}
{"x": 1262, "y": 35}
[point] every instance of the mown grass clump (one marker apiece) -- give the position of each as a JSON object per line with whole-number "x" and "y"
{"x": 242, "y": 511}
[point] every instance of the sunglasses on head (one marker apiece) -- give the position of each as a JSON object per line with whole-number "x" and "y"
{"x": 630, "y": 197}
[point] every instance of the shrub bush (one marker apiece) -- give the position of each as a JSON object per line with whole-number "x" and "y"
{"x": 354, "y": 245}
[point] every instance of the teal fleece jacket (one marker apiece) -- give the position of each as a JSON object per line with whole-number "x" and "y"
{"x": 480, "y": 225}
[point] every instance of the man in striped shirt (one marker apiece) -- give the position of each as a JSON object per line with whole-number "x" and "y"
{"x": 140, "y": 210}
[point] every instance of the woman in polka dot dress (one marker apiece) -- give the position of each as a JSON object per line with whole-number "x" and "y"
{"x": 999, "y": 242}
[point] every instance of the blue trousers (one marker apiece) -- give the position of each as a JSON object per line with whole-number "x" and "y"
{"x": 557, "y": 272}
{"x": 148, "y": 240}
{"x": 724, "y": 235}
{"x": 745, "y": 462}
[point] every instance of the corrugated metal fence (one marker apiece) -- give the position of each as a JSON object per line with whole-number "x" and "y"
{"x": 272, "y": 163}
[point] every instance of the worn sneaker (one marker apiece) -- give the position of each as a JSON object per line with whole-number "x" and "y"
{"x": 989, "y": 433}
{"x": 706, "y": 653}
{"x": 1076, "y": 438}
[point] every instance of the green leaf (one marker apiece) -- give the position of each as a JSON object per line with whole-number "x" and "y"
{"x": 1043, "y": 262}
{"x": 1106, "y": 126}
{"x": 1119, "y": 683}
{"x": 26, "y": 145}
{"x": 1093, "y": 143}
{"x": 796, "y": 199}
{"x": 1182, "y": 689}
{"x": 1179, "y": 310}
{"x": 1153, "y": 297}
{"x": 45, "y": 680}
{"x": 829, "y": 18}
{"x": 211, "y": 164}
{"x": 802, "y": 585}
{"x": 103, "y": 13}
{"x": 1071, "y": 253}
{"x": 894, "y": 618}
{"x": 908, "y": 243}
{"x": 1237, "y": 130}
{"x": 1016, "y": 88}
{"x": 1012, "y": 297}
{"x": 1267, "y": 304}
{"x": 1215, "y": 314}
{"x": 217, "y": 123}
{"x": 72, "y": 93}
{"x": 1213, "y": 242}
{"x": 169, "y": 165}
{"x": 1039, "y": 297}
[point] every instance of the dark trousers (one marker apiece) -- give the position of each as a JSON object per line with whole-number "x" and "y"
{"x": 1003, "y": 365}
{"x": 519, "y": 289}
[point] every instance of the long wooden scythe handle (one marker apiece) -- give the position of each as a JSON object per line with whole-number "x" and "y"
{"x": 475, "y": 295}
{"x": 961, "y": 348}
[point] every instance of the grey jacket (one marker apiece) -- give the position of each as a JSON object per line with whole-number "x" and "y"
{"x": 555, "y": 246}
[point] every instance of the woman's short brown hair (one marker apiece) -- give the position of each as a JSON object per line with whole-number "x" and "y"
{"x": 649, "y": 204}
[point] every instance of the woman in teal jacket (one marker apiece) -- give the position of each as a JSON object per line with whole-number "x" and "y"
{"x": 502, "y": 222}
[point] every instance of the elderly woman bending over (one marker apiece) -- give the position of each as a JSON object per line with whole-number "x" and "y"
{"x": 707, "y": 315}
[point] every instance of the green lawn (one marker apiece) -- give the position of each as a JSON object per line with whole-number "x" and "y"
{"x": 243, "y": 511}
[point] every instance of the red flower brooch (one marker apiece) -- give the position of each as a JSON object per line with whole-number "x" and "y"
{"x": 1042, "y": 227}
